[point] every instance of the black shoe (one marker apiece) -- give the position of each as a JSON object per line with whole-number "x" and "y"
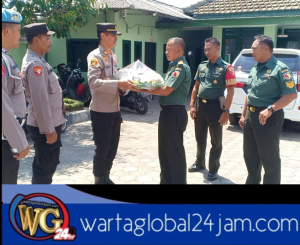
{"x": 196, "y": 168}
{"x": 211, "y": 176}
{"x": 99, "y": 180}
{"x": 108, "y": 180}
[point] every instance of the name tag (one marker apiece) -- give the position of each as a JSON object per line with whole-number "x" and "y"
{"x": 108, "y": 67}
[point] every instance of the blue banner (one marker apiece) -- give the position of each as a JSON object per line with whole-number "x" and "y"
{"x": 58, "y": 214}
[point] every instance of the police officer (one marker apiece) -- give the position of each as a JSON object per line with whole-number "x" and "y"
{"x": 105, "y": 104}
{"x": 271, "y": 87}
{"x": 212, "y": 110}
{"x": 14, "y": 143}
{"x": 45, "y": 110}
{"x": 173, "y": 117}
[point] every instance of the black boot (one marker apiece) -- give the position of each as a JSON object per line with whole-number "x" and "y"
{"x": 107, "y": 179}
{"x": 99, "y": 180}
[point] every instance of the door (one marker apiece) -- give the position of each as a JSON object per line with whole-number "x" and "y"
{"x": 150, "y": 55}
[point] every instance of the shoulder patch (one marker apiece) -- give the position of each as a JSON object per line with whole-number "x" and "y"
{"x": 38, "y": 70}
{"x": 3, "y": 71}
{"x": 94, "y": 62}
{"x": 230, "y": 68}
{"x": 178, "y": 69}
{"x": 180, "y": 62}
{"x": 176, "y": 73}
{"x": 284, "y": 70}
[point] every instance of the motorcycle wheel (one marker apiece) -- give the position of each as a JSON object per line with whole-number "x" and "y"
{"x": 142, "y": 106}
{"x": 64, "y": 127}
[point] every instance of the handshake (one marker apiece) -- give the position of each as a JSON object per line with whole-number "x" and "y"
{"x": 126, "y": 85}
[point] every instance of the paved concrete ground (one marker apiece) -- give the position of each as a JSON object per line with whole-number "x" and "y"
{"x": 137, "y": 158}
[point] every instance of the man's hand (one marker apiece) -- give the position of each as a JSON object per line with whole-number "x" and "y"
{"x": 22, "y": 154}
{"x": 193, "y": 112}
{"x": 264, "y": 115}
{"x": 51, "y": 138}
{"x": 126, "y": 85}
{"x": 224, "y": 119}
{"x": 241, "y": 122}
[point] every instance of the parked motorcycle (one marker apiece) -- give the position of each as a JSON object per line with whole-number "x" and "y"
{"x": 71, "y": 83}
{"x": 135, "y": 101}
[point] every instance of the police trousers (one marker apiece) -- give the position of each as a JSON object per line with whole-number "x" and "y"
{"x": 207, "y": 117}
{"x": 10, "y": 165}
{"x": 106, "y": 129}
{"x": 261, "y": 147}
{"x": 46, "y": 156}
{"x": 172, "y": 124}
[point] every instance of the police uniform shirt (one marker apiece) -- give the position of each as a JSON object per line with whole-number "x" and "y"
{"x": 268, "y": 82}
{"x": 178, "y": 77}
{"x": 102, "y": 72}
{"x": 13, "y": 103}
{"x": 214, "y": 78}
{"x": 43, "y": 93}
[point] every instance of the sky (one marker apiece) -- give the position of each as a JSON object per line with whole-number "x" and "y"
{"x": 180, "y": 3}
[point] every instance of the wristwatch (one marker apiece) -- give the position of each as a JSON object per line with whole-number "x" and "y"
{"x": 226, "y": 111}
{"x": 270, "y": 108}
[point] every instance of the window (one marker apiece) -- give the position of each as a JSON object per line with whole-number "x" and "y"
{"x": 137, "y": 51}
{"x": 165, "y": 61}
{"x": 79, "y": 49}
{"x": 150, "y": 55}
{"x": 126, "y": 53}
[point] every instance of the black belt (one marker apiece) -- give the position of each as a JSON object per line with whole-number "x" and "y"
{"x": 171, "y": 107}
{"x": 255, "y": 108}
{"x": 208, "y": 100}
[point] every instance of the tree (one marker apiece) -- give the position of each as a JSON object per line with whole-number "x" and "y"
{"x": 61, "y": 16}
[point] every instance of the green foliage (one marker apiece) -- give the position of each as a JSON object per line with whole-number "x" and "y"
{"x": 61, "y": 16}
{"x": 73, "y": 105}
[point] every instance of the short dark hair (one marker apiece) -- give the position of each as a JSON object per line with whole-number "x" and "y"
{"x": 6, "y": 24}
{"x": 212, "y": 40}
{"x": 30, "y": 38}
{"x": 265, "y": 40}
{"x": 178, "y": 41}
{"x": 99, "y": 34}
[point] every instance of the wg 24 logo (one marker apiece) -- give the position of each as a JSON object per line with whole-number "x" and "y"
{"x": 41, "y": 216}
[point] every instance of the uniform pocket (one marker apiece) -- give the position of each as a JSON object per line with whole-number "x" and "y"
{"x": 53, "y": 83}
{"x": 18, "y": 85}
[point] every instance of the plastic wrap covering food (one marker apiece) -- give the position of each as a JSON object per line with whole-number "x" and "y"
{"x": 141, "y": 75}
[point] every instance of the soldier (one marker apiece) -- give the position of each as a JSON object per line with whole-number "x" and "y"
{"x": 105, "y": 104}
{"x": 14, "y": 142}
{"x": 212, "y": 110}
{"x": 173, "y": 117}
{"x": 46, "y": 111}
{"x": 271, "y": 87}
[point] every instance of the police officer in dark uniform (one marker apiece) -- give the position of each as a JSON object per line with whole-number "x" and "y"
{"x": 14, "y": 142}
{"x": 271, "y": 87}
{"x": 212, "y": 110}
{"x": 105, "y": 104}
{"x": 173, "y": 117}
{"x": 46, "y": 112}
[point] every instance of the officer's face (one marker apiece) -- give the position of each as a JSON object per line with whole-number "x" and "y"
{"x": 259, "y": 51}
{"x": 172, "y": 51}
{"x": 13, "y": 33}
{"x": 44, "y": 42}
{"x": 211, "y": 50}
{"x": 109, "y": 39}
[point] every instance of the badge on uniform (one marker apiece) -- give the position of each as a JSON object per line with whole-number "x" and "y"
{"x": 115, "y": 61}
{"x": 265, "y": 76}
{"x": 105, "y": 58}
{"x": 269, "y": 71}
{"x": 3, "y": 71}
{"x": 176, "y": 73}
{"x": 178, "y": 69}
{"x": 285, "y": 70}
{"x": 105, "y": 52}
{"x": 15, "y": 17}
{"x": 220, "y": 69}
{"x": 38, "y": 70}
{"x": 287, "y": 76}
{"x": 231, "y": 70}
{"x": 94, "y": 62}
{"x": 20, "y": 74}
{"x": 180, "y": 62}
{"x": 215, "y": 81}
{"x": 203, "y": 69}
{"x": 290, "y": 84}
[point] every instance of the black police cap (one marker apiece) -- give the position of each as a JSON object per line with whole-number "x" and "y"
{"x": 37, "y": 28}
{"x": 109, "y": 27}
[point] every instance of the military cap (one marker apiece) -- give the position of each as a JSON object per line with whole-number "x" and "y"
{"x": 11, "y": 16}
{"x": 109, "y": 27}
{"x": 37, "y": 28}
